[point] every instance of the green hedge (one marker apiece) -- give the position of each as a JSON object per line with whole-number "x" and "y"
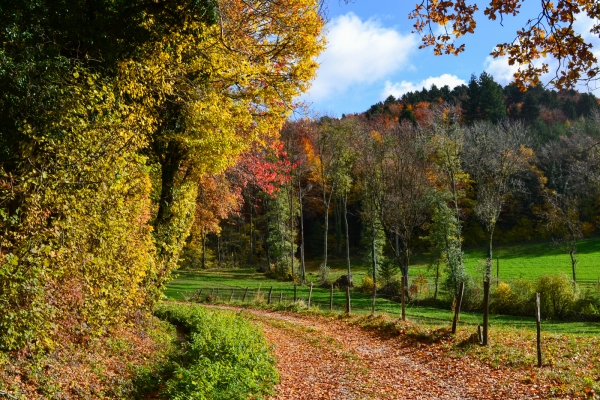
{"x": 226, "y": 356}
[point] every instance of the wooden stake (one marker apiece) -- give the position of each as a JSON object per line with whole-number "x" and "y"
{"x": 245, "y": 294}
{"x": 539, "y": 329}
{"x": 270, "y": 292}
{"x": 310, "y": 294}
{"x": 231, "y": 297}
{"x": 280, "y": 296}
{"x": 461, "y": 291}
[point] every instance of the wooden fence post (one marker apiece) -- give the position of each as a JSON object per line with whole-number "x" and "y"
{"x": 461, "y": 291}
{"x": 539, "y": 329}
{"x": 310, "y": 294}
{"x": 348, "y": 306}
{"x": 212, "y": 291}
{"x": 331, "y": 298}
{"x": 231, "y": 297}
{"x": 281, "y": 296}
{"x": 295, "y": 292}
{"x": 270, "y": 292}
{"x": 486, "y": 311}
{"x": 217, "y": 293}
{"x": 245, "y": 294}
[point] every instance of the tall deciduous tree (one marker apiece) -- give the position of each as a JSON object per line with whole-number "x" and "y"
{"x": 132, "y": 94}
{"x": 408, "y": 189}
{"x": 494, "y": 156}
{"x": 447, "y": 138}
{"x": 332, "y": 167}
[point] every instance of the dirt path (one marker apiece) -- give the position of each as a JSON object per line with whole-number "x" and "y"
{"x": 320, "y": 358}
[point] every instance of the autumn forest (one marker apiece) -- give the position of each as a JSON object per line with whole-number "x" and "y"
{"x": 140, "y": 140}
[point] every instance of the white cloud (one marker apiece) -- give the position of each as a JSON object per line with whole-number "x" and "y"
{"x": 359, "y": 52}
{"x": 398, "y": 89}
{"x": 503, "y": 73}
{"x": 499, "y": 68}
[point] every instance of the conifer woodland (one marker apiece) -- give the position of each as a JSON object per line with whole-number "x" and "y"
{"x": 139, "y": 137}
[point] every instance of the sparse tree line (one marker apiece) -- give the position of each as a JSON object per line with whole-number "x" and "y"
{"x": 384, "y": 185}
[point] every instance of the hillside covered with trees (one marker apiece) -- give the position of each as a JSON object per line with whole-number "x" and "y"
{"x": 430, "y": 172}
{"x": 138, "y": 138}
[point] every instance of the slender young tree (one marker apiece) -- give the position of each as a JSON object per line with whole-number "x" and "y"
{"x": 494, "y": 157}
{"x": 331, "y": 167}
{"x": 408, "y": 189}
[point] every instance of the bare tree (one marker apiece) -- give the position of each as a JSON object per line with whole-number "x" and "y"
{"x": 408, "y": 189}
{"x": 494, "y": 157}
{"x": 369, "y": 172}
{"x": 332, "y": 167}
{"x": 447, "y": 136}
{"x": 571, "y": 168}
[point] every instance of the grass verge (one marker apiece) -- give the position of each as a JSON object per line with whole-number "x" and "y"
{"x": 223, "y": 357}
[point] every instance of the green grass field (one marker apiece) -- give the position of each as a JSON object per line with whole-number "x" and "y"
{"x": 516, "y": 261}
{"x": 531, "y": 260}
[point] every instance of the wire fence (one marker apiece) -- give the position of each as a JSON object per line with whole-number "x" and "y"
{"x": 321, "y": 298}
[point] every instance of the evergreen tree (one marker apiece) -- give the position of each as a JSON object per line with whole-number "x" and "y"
{"x": 485, "y": 100}
{"x": 530, "y": 110}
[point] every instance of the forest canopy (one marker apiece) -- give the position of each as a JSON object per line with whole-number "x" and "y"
{"x": 112, "y": 114}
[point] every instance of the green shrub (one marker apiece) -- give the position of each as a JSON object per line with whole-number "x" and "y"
{"x": 392, "y": 288}
{"x": 226, "y": 358}
{"x": 587, "y": 307}
{"x": 366, "y": 285}
{"x": 516, "y": 298}
{"x": 557, "y": 294}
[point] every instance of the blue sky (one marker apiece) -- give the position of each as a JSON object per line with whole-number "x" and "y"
{"x": 371, "y": 53}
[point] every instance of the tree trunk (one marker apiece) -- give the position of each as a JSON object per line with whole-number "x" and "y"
{"x": 203, "y": 249}
{"x": 302, "y": 264}
{"x": 292, "y": 228}
{"x": 338, "y": 225}
{"x": 345, "y": 201}
{"x": 176, "y": 207}
{"x": 405, "y": 268}
{"x": 486, "y": 310}
{"x": 490, "y": 259}
{"x": 251, "y": 230}
{"x": 374, "y": 260}
{"x": 325, "y": 236}
{"x": 219, "y": 250}
{"x": 573, "y": 255}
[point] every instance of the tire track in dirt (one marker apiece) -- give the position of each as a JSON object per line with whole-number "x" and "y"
{"x": 326, "y": 358}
